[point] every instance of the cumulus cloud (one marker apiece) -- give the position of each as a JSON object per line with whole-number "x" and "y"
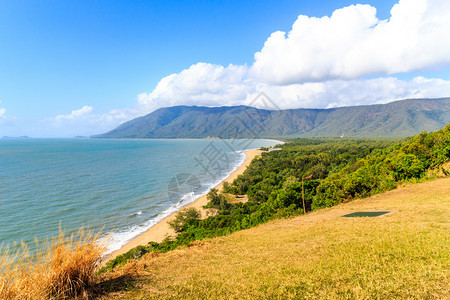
{"x": 9, "y": 125}
{"x": 353, "y": 43}
{"x": 200, "y": 84}
{"x": 215, "y": 85}
{"x": 2, "y": 112}
{"x": 335, "y": 93}
{"x": 76, "y": 114}
{"x": 324, "y": 62}
{"x": 84, "y": 121}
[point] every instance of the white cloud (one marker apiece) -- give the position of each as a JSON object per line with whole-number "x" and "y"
{"x": 201, "y": 84}
{"x": 76, "y": 114}
{"x": 83, "y": 121}
{"x": 353, "y": 43}
{"x": 9, "y": 125}
{"x": 2, "y": 112}
{"x": 322, "y": 62}
{"x": 214, "y": 85}
{"x": 334, "y": 93}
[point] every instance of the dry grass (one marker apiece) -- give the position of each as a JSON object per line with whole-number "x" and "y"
{"x": 63, "y": 268}
{"x": 233, "y": 199}
{"x": 321, "y": 255}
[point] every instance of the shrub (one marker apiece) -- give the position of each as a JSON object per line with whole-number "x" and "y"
{"x": 405, "y": 166}
{"x": 183, "y": 215}
{"x": 230, "y": 189}
{"x": 328, "y": 194}
{"x": 217, "y": 200}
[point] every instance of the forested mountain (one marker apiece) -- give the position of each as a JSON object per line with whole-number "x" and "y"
{"x": 395, "y": 119}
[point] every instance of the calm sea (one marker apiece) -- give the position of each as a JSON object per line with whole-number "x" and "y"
{"x": 121, "y": 186}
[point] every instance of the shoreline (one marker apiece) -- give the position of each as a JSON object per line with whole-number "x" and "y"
{"x": 161, "y": 230}
{"x": 277, "y": 141}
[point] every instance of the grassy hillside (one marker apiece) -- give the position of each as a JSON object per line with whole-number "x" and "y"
{"x": 336, "y": 171}
{"x": 404, "y": 254}
{"x": 395, "y": 119}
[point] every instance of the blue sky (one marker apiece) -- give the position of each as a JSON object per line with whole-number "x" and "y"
{"x": 82, "y": 67}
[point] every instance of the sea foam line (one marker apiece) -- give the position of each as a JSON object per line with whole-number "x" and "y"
{"x": 115, "y": 240}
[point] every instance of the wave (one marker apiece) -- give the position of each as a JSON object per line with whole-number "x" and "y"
{"x": 136, "y": 214}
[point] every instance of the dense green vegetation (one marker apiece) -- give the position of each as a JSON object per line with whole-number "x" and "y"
{"x": 340, "y": 169}
{"x": 399, "y": 119}
{"x": 182, "y": 216}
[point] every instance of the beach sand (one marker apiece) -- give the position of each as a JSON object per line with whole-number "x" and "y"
{"x": 162, "y": 229}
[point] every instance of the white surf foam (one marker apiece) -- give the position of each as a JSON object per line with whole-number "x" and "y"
{"x": 115, "y": 240}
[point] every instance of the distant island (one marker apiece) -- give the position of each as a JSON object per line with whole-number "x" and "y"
{"x": 16, "y": 137}
{"x": 395, "y": 119}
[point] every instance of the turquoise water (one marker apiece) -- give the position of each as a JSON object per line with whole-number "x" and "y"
{"x": 120, "y": 186}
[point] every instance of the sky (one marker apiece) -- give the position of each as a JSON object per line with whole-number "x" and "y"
{"x": 71, "y": 68}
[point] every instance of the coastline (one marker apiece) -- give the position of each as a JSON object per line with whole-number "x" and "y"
{"x": 161, "y": 230}
{"x": 277, "y": 141}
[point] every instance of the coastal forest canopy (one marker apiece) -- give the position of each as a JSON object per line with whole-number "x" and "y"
{"x": 341, "y": 170}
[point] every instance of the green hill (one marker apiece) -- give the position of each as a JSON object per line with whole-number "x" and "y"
{"x": 324, "y": 254}
{"x": 336, "y": 171}
{"x": 395, "y": 119}
{"x": 402, "y": 255}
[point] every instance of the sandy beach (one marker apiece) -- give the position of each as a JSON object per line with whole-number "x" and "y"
{"x": 162, "y": 229}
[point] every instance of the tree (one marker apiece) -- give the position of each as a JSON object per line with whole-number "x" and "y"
{"x": 217, "y": 200}
{"x": 182, "y": 216}
{"x": 405, "y": 166}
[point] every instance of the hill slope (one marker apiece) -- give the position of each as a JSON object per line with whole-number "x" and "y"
{"x": 404, "y": 254}
{"x": 400, "y": 118}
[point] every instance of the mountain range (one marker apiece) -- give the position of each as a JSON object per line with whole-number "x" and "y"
{"x": 395, "y": 119}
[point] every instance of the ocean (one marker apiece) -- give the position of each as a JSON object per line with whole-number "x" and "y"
{"x": 118, "y": 187}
